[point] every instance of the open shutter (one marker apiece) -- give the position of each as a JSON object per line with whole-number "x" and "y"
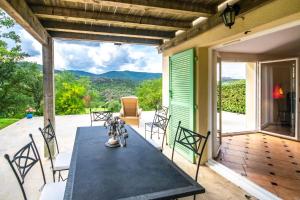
{"x": 182, "y": 97}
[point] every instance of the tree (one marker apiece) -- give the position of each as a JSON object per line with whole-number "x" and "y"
{"x": 8, "y": 64}
{"x": 149, "y": 93}
{"x": 71, "y": 93}
{"x": 31, "y": 82}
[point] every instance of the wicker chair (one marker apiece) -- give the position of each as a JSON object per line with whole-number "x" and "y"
{"x": 130, "y": 111}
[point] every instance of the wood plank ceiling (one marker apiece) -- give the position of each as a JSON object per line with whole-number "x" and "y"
{"x": 126, "y": 21}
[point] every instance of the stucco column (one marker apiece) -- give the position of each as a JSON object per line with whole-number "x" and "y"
{"x": 48, "y": 88}
{"x": 250, "y": 96}
{"x": 202, "y": 94}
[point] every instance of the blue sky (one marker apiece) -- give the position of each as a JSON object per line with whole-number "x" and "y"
{"x": 95, "y": 57}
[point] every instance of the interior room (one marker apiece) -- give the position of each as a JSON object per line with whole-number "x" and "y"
{"x": 278, "y": 105}
{"x": 269, "y": 155}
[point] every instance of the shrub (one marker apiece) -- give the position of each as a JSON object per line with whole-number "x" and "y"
{"x": 234, "y": 96}
{"x": 149, "y": 93}
{"x": 114, "y": 106}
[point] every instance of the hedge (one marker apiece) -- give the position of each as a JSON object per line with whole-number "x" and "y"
{"x": 234, "y": 96}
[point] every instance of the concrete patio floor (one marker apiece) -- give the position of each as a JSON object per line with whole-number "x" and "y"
{"x": 13, "y": 137}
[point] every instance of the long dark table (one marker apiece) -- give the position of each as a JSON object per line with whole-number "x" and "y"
{"x": 137, "y": 171}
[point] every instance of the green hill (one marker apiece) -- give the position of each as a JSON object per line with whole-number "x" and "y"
{"x": 125, "y": 75}
{"x": 130, "y": 75}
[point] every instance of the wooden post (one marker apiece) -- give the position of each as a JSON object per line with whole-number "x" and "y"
{"x": 48, "y": 85}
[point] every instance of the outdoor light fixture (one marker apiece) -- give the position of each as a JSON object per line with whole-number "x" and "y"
{"x": 229, "y": 13}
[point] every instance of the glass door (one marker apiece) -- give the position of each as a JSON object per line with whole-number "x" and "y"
{"x": 278, "y": 97}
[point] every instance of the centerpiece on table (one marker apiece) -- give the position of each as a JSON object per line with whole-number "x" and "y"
{"x": 117, "y": 132}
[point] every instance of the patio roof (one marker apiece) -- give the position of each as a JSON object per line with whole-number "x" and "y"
{"x": 152, "y": 22}
{"x": 145, "y": 22}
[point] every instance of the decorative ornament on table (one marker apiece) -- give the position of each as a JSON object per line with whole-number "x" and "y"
{"x": 116, "y": 131}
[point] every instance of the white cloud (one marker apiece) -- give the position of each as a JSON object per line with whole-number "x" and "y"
{"x": 236, "y": 70}
{"x": 94, "y": 57}
{"x": 31, "y": 47}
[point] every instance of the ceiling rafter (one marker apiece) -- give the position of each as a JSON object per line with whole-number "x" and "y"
{"x": 105, "y": 38}
{"x": 104, "y": 30}
{"x": 178, "y": 7}
{"x": 47, "y": 12}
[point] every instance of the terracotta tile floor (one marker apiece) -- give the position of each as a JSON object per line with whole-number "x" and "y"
{"x": 271, "y": 162}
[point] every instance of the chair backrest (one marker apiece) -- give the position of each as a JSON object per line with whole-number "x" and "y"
{"x": 49, "y": 136}
{"x": 191, "y": 140}
{"x": 130, "y": 106}
{"x": 161, "y": 121}
{"x": 100, "y": 115}
{"x": 23, "y": 161}
{"x": 163, "y": 110}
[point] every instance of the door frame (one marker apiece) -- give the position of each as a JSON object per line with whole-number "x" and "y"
{"x": 216, "y": 145}
{"x": 215, "y": 121}
{"x": 296, "y": 137}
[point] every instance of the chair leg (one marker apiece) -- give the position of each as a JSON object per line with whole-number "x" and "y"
{"x": 53, "y": 176}
{"x": 194, "y": 197}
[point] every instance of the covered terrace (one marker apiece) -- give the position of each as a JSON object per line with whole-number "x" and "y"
{"x": 172, "y": 26}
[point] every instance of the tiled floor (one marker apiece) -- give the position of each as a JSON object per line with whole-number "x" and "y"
{"x": 271, "y": 162}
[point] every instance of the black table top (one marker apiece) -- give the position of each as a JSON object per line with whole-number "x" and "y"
{"x": 137, "y": 171}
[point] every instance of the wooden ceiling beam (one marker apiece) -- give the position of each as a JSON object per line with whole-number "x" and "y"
{"x": 106, "y": 30}
{"x": 22, "y": 14}
{"x": 211, "y": 22}
{"x": 104, "y": 38}
{"x": 170, "y": 6}
{"x": 48, "y": 12}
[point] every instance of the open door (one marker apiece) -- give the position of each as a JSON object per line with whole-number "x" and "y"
{"x": 278, "y": 97}
{"x": 182, "y": 97}
{"x": 217, "y": 102}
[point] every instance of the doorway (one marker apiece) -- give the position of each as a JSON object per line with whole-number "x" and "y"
{"x": 268, "y": 155}
{"x": 278, "y": 94}
{"x": 236, "y": 97}
{"x": 235, "y": 100}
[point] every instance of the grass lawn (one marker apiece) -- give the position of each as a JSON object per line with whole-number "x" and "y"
{"x": 4, "y": 122}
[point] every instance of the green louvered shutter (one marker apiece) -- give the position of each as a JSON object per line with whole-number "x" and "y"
{"x": 182, "y": 97}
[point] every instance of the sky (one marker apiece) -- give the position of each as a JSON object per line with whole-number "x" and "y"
{"x": 235, "y": 70}
{"x": 94, "y": 57}
{"x": 101, "y": 57}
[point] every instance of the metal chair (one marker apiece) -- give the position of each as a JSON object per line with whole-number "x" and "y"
{"x": 158, "y": 126}
{"x": 191, "y": 140}
{"x": 162, "y": 110}
{"x": 62, "y": 159}
{"x": 23, "y": 161}
{"x": 100, "y": 116}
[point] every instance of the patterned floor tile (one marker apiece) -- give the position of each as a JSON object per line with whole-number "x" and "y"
{"x": 269, "y": 161}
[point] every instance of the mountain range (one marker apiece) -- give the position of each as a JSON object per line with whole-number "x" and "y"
{"x": 127, "y": 75}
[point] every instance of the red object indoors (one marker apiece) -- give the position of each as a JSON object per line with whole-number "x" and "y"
{"x": 278, "y": 92}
